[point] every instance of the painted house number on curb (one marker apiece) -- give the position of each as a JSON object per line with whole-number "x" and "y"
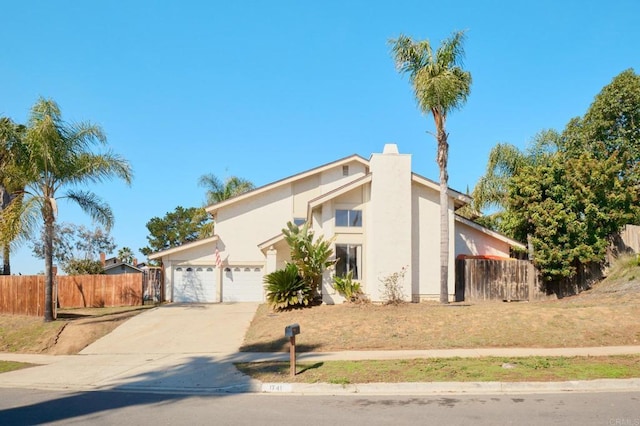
{"x": 276, "y": 387}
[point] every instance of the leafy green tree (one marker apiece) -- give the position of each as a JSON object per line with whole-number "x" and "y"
{"x": 611, "y": 127}
{"x": 84, "y": 267}
{"x": 60, "y": 157}
{"x": 175, "y": 228}
{"x": 491, "y": 193}
{"x": 218, "y": 191}
{"x": 311, "y": 255}
{"x": 440, "y": 86}
{"x": 570, "y": 207}
{"x": 76, "y": 248}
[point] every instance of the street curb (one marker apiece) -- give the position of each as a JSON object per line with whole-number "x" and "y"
{"x": 470, "y": 388}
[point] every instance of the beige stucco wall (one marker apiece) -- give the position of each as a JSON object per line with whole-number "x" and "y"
{"x": 473, "y": 242}
{"x": 425, "y": 261}
{"x": 388, "y": 229}
{"x": 242, "y": 226}
{"x": 195, "y": 256}
{"x": 352, "y": 200}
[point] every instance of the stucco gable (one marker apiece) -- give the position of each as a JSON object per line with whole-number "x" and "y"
{"x": 513, "y": 243}
{"x": 183, "y": 247}
{"x": 288, "y": 180}
{"x": 459, "y": 198}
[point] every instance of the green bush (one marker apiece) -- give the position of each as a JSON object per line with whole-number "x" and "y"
{"x": 286, "y": 289}
{"x": 347, "y": 288}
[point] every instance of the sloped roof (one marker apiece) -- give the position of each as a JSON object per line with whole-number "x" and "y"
{"x": 355, "y": 157}
{"x": 159, "y": 254}
{"x": 118, "y": 264}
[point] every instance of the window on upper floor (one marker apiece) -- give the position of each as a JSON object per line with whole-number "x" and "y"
{"x": 349, "y": 218}
{"x": 349, "y": 260}
{"x": 345, "y": 170}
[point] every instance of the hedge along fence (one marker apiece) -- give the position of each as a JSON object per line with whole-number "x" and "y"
{"x": 24, "y": 294}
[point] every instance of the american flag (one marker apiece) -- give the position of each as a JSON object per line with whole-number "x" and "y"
{"x": 218, "y": 259}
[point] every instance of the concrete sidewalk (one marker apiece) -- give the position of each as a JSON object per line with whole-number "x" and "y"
{"x": 198, "y": 373}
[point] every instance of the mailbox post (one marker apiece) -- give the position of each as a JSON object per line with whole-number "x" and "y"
{"x": 291, "y": 331}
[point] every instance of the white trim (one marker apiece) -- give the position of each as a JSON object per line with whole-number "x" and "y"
{"x": 186, "y": 246}
{"x": 456, "y": 195}
{"x": 355, "y": 157}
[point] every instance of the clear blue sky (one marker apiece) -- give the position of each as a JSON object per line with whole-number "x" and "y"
{"x": 267, "y": 89}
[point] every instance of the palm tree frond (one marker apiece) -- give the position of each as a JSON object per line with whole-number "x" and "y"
{"x": 91, "y": 204}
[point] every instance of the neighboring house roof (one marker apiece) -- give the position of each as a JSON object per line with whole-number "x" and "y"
{"x": 119, "y": 264}
{"x": 355, "y": 157}
{"x": 497, "y": 235}
{"x": 182, "y": 247}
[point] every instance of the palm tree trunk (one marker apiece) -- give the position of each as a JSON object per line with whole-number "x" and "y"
{"x": 48, "y": 261}
{"x": 6, "y": 259}
{"x": 5, "y": 200}
{"x": 442, "y": 157}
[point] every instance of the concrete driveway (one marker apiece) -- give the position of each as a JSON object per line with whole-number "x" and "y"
{"x": 180, "y": 329}
{"x": 173, "y": 348}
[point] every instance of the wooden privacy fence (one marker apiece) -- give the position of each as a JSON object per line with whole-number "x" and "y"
{"x": 82, "y": 291}
{"x": 24, "y": 294}
{"x": 511, "y": 280}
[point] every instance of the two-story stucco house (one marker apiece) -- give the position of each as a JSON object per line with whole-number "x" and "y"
{"x": 380, "y": 215}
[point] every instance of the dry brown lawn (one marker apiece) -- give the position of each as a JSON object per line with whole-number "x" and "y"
{"x": 606, "y": 316}
{"x": 73, "y": 331}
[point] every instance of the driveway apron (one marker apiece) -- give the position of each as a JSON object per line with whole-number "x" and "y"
{"x": 173, "y": 348}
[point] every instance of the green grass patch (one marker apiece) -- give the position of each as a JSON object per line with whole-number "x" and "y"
{"x": 490, "y": 369}
{"x": 6, "y": 366}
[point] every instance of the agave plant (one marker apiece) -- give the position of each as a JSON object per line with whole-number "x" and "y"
{"x": 286, "y": 289}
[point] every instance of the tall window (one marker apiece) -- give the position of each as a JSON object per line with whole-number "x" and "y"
{"x": 350, "y": 218}
{"x": 349, "y": 259}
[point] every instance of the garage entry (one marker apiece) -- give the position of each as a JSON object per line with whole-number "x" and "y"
{"x": 242, "y": 284}
{"x": 194, "y": 284}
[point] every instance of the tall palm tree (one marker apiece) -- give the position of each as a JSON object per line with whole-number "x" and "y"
{"x": 218, "y": 191}
{"x": 60, "y": 158}
{"x": 440, "y": 86}
{"x": 12, "y": 226}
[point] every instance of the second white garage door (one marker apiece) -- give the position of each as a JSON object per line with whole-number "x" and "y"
{"x": 242, "y": 284}
{"x": 194, "y": 284}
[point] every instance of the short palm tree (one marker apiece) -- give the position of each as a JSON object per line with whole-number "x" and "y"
{"x": 60, "y": 159}
{"x": 440, "y": 86}
{"x": 218, "y": 191}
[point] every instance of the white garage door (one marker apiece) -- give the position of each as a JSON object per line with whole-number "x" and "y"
{"x": 242, "y": 284}
{"x": 194, "y": 284}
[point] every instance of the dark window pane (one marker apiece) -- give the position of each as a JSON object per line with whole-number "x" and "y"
{"x": 355, "y": 217}
{"x": 341, "y": 255}
{"x": 342, "y": 217}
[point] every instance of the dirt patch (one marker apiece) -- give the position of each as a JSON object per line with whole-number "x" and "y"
{"x": 594, "y": 318}
{"x": 78, "y": 334}
{"x": 73, "y": 331}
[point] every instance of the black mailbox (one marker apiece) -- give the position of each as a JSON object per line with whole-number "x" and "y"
{"x": 292, "y": 330}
